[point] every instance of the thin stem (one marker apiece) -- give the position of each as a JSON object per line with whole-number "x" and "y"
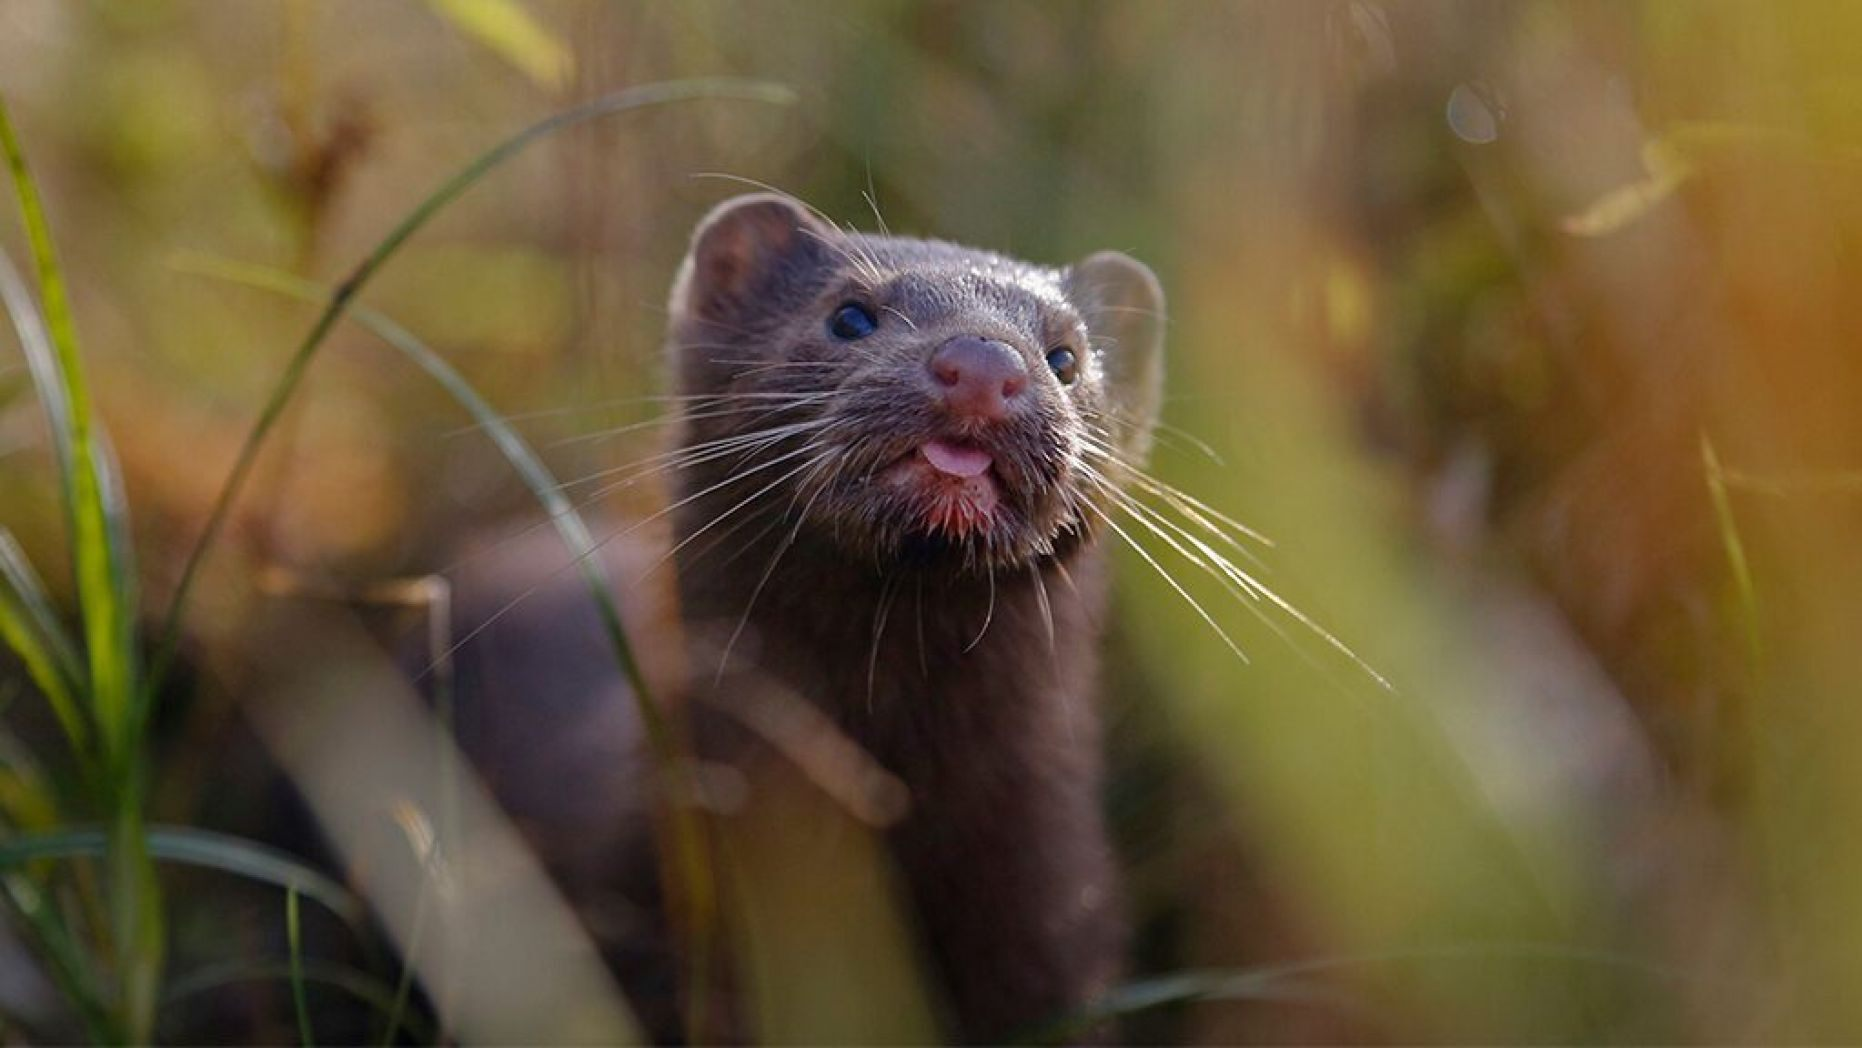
{"x": 344, "y": 293}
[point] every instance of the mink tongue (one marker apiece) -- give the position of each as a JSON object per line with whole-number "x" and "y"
{"x": 955, "y": 459}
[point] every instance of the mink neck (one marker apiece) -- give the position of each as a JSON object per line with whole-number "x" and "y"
{"x": 982, "y": 705}
{"x": 917, "y": 662}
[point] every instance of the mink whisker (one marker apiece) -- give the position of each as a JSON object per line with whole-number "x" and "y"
{"x": 754, "y": 413}
{"x": 879, "y": 630}
{"x": 821, "y": 455}
{"x": 864, "y": 249}
{"x": 525, "y": 416}
{"x": 1197, "y": 510}
{"x": 1235, "y": 581}
{"x": 1138, "y": 311}
{"x": 1047, "y": 609}
{"x": 1067, "y": 577}
{"x": 863, "y": 265}
{"x": 872, "y": 201}
{"x": 989, "y": 615}
{"x": 682, "y": 458}
{"x": 1053, "y": 649}
{"x": 712, "y": 543}
{"x": 1167, "y": 434}
{"x": 601, "y": 543}
{"x": 924, "y": 660}
{"x": 752, "y": 367}
{"x": 597, "y": 405}
{"x": 770, "y": 569}
{"x": 853, "y": 250}
{"x": 776, "y": 520}
{"x": 908, "y": 320}
{"x": 1171, "y": 580}
{"x": 1238, "y": 583}
{"x": 704, "y": 451}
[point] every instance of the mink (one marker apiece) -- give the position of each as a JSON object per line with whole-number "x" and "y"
{"x": 894, "y": 466}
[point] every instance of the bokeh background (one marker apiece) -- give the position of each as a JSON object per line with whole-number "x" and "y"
{"x": 1526, "y": 331}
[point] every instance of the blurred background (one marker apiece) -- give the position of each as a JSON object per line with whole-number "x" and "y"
{"x": 1526, "y": 331}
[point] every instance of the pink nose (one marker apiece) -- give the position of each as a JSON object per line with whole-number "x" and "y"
{"x": 978, "y": 378}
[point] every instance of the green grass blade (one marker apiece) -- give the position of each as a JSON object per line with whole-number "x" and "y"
{"x": 343, "y": 294}
{"x": 1289, "y": 981}
{"x": 295, "y": 941}
{"x": 67, "y": 963}
{"x": 192, "y": 847}
{"x": 404, "y": 983}
{"x": 508, "y": 30}
{"x": 516, "y": 450}
{"x": 137, "y": 923}
{"x": 313, "y": 972}
{"x": 1179, "y": 988}
{"x": 102, "y": 560}
{"x": 1745, "y": 591}
{"x": 690, "y": 847}
{"x": 27, "y": 797}
{"x": 41, "y": 363}
{"x": 103, "y": 564}
{"x": 692, "y": 852}
{"x": 29, "y": 627}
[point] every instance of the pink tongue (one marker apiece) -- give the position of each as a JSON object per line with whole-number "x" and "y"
{"x": 954, "y": 459}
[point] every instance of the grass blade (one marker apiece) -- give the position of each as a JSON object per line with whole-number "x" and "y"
{"x": 41, "y": 362}
{"x": 295, "y": 941}
{"x": 102, "y": 563}
{"x": 344, "y": 293}
{"x": 313, "y": 972}
{"x": 516, "y": 450}
{"x": 136, "y": 918}
{"x": 404, "y": 983}
{"x": 1745, "y": 591}
{"x": 192, "y": 847}
{"x": 691, "y": 849}
{"x": 68, "y": 965}
{"x": 509, "y": 30}
{"x": 1287, "y": 980}
{"x": 29, "y": 626}
{"x": 93, "y": 493}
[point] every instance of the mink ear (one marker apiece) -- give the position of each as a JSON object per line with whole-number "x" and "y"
{"x": 750, "y": 253}
{"x": 1123, "y": 306}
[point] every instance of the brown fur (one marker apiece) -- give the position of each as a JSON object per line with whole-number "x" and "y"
{"x": 964, "y": 665}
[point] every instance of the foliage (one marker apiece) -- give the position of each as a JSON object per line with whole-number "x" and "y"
{"x": 102, "y": 701}
{"x": 1525, "y": 332}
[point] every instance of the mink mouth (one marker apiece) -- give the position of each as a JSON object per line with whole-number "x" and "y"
{"x": 953, "y": 483}
{"x": 921, "y": 489}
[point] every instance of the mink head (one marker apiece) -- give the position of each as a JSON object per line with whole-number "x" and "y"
{"x": 910, "y": 400}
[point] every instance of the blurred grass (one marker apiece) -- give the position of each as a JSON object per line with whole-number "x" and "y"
{"x": 688, "y": 853}
{"x": 507, "y": 28}
{"x": 359, "y": 277}
{"x": 295, "y": 940}
{"x": 104, "y": 570}
{"x": 1461, "y": 379}
{"x": 199, "y": 847}
{"x": 117, "y": 695}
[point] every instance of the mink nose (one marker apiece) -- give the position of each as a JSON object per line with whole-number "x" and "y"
{"x": 978, "y": 378}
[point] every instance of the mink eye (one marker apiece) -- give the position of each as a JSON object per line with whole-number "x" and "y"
{"x": 1066, "y": 366}
{"x": 852, "y": 321}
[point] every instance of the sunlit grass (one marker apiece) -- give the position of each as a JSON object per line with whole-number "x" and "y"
{"x": 97, "y": 694}
{"x": 99, "y": 690}
{"x": 1462, "y": 376}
